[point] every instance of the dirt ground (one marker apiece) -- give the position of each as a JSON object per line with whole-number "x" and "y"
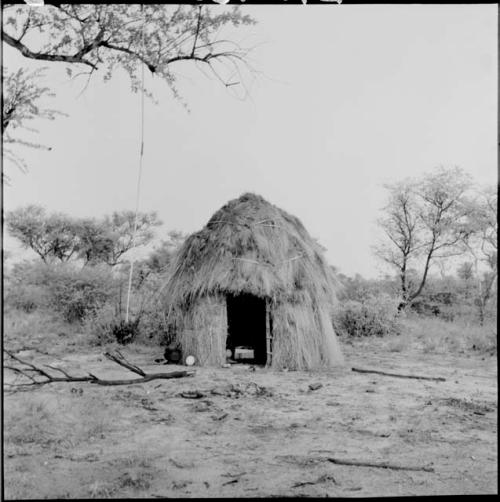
{"x": 256, "y": 433}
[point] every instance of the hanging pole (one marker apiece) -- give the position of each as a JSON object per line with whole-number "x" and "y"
{"x": 139, "y": 176}
{"x": 269, "y": 354}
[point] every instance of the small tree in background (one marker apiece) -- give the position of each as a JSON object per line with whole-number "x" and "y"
{"x": 95, "y": 241}
{"x": 480, "y": 239}
{"x": 51, "y": 237}
{"x": 120, "y": 230}
{"x": 421, "y": 224}
{"x": 60, "y": 237}
{"x": 162, "y": 256}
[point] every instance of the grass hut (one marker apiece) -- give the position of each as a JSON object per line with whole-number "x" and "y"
{"x": 254, "y": 277}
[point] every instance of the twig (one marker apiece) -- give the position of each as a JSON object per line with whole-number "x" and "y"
{"x": 248, "y": 260}
{"x": 57, "y": 369}
{"x": 17, "y": 370}
{"x": 321, "y": 479}
{"x": 380, "y": 465}
{"x": 118, "y": 358}
{"x": 230, "y": 482}
{"x": 397, "y": 375}
{"x": 304, "y": 483}
{"x": 31, "y": 366}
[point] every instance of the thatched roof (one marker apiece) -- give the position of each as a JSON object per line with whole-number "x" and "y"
{"x": 254, "y": 247}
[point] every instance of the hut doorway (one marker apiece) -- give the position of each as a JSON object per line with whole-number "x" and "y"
{"x": 246, "y": 321}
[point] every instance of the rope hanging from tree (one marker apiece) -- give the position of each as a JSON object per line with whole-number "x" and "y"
{"x": 139, "y": 176}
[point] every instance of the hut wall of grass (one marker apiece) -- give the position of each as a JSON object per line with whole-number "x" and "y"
{"x": 202, "y": 331}
{"x": 252, "y": 247}
{"x": 303, "y": 337}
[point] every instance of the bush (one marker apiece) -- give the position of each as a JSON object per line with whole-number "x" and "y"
{"x": 27, "y": 298}
{"x": 148, "y": 306}
{"x": 147, "y": 316}
{"x": 99, "y": 324}
{"x": 376, "y": 316}
{"x": 74, "y": 293}
{"x": 92, "y": 295}
{"x": 360, "y": 289}
{"x": 106, "y": 325}
{"x": 125, "y": 331}
{"x": 25, "y": 286}
{"x": 79, "y": 293}
{"x": 154, "y": 327}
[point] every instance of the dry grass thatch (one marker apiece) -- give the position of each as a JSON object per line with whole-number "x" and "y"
{"x": 251, "y": 246}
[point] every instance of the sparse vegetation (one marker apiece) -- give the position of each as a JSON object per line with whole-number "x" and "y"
{"x": 440, "y": 336}
{"x": 374, "y": 316}
{"x": 81, "y": 275}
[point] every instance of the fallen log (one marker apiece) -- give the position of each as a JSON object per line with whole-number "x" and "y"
{"x": 39, "y": 376}
{"x": 398, "y": 375}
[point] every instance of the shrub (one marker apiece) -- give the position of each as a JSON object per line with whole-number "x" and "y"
{"x": 25, "y": 286}
{"x": 106, "y": 325}
{"x": 125, "y": 331}
{"x": 73, "y": 292}
{"x": 376, "y": 316}
{"x": 99, "y": 324}
{"x": 360, "y": 289}
{"x": 79, "y": 293}
{"x": 148, "y": 307}
{"x": 154, "y": 327}
{"x": 27, "y": 298}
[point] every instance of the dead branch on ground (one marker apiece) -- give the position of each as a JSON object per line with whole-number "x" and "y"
{"x": 397, "y": 375}
{"x": 321, "y": 479}
{"x": 39, "y": 376}
{"x": 381, "y": 465}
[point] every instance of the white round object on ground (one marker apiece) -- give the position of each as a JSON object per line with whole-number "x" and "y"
{"x": 190, "y": 360}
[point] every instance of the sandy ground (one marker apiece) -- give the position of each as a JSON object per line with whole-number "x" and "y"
{"x": 257, "y": 433}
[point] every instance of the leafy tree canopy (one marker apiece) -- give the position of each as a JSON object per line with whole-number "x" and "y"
{"x": 122, "y": 36}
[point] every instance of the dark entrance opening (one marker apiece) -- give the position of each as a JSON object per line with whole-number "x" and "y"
{"x": 246, "y": 320}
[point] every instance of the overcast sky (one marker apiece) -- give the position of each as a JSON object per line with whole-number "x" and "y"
{"x": 348, "y": 98}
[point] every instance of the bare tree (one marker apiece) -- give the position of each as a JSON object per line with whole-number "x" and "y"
{"x": 400, "y": 225}
{"x": 421, "y": 224}
{"x": 480, "y": 238}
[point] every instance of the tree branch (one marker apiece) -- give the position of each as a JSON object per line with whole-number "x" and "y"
{"x": 197, "y": 31}
{"x": 117, "y": 358}
{"x": 28, "y": 53}
{"x": 382, "y": 465}
{"x": 397, "y": 375}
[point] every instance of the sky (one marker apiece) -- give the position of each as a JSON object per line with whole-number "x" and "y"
{"x": 345, "y": 99}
